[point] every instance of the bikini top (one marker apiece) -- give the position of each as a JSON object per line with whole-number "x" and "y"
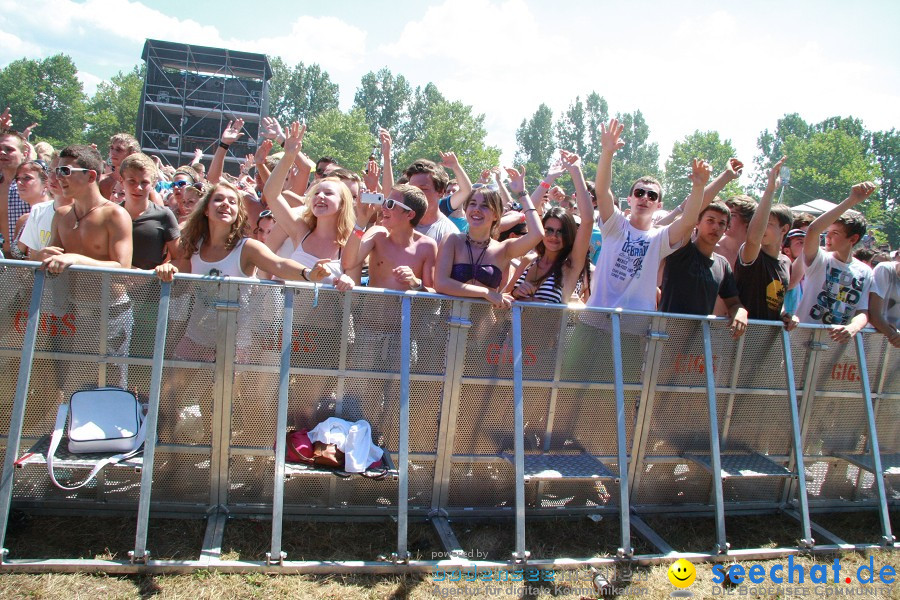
{"x": 490, "y": 276}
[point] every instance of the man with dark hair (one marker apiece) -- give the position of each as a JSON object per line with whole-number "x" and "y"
{"x": 324, "y": 167}
{"x": 92, "y": 230}
{"x": 13, "y": 152}
{"x": 432, "y": 179}
{"x": 400, "y": 258}
{"x": 695, "y": 275}
{"x": 762, "y": 272}
{"x": 742, "y": 210}
{"x": 836, "y": 289}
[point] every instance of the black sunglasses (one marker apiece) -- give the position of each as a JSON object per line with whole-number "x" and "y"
{"x": 639, "y": 193}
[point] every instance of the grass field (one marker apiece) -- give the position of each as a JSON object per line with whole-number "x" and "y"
{"x": 110, "y": 538}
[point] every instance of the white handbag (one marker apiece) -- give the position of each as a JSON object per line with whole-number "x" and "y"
{"x": 102, "y": 420}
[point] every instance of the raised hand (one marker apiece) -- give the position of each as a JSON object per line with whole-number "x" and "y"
{"x": 371, "y": 177}
{"x": 271, "y": 129}
{"x": 611, "y": 136}
{"x": 570, "y": 160}
{"x": 861, "y": 191}
{"x": 485, "y": 176}
{"x": 773, "y": 178}
{"x": 449, "y": 160}
{"x": 516, "y": 179}
{"x": 6, "y": 119}
{"x": 248, "y": 163}
{"x": 293, "y": 142}
{"x": 385, "y": 137}
{"x": 233, "y": 132}
{"x": 262, "y": 151}
{"x": 26, "y": 133}
{"x": 700, "y": 171}
{"x": 198, "y": 154}
{"x": 734, "y": 168}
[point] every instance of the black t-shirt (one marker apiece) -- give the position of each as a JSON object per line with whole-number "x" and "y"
{"x": 691, "y": 282}
{"x": 762, "y": 285}
{"x": 150, "y": 233}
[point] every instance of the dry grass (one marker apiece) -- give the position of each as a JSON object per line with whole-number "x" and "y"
{"x": 41, "y": 537}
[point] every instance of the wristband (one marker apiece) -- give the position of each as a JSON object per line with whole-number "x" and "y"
{"x": 417, "y": 287}
{"x": 545, "y": 185}
{"x": 303, "y": 274}
{"x": 522, "y": 194}
{"x": 223, "y": 145}
{"x": 527, "y": 209}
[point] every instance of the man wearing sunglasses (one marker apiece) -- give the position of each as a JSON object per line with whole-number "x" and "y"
{"x": 400, "y": 258}
{"x": 92, "y": 230}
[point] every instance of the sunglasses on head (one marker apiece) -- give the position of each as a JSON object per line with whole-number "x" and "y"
{"x": 65, "y": 170}
{"x": 639, "y": 193}
{"x": 390, "y": 203}
{"x": 265, "y": 214}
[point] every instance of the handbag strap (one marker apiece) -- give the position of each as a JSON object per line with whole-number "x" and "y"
{"x": 61, "y": 414}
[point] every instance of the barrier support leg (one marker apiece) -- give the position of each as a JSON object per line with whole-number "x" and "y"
{"x": 520, "y": 555}
{"x": 17, "y": 418}
{"x": 625, "y": 549}
{"x": 714, "y": 448}
{"x": 140, "y": 553}
{"x": 403, "y": 426}
{"x": 276, "y": 555}
{"x": 807, "y": 540}
{"x": 887, "y": 538}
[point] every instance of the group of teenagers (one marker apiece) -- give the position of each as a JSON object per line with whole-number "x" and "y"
{"x": 494, "y": 240}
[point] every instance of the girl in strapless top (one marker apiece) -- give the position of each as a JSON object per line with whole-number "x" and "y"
{"x": 474, "y": 264}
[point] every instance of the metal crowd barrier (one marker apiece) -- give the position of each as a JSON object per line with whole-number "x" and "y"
{"x": 536, "y": 411}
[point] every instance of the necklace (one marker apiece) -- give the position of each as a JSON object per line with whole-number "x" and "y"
{"x": 78, "y": 219}
{"x": 483, "y": 244}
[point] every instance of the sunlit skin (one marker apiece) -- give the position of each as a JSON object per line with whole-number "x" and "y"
{"x": 118, "y": 193}
{"x": 117, "y": 152}
{"x": 31, "y": 187}
{"x": 264, "y": 229}
{"x": 710, "y": 229}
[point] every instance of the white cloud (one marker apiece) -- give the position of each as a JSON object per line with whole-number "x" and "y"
{"x": 328, "y": 41}
{"x": 89, "y": 81}
{"x": 12, "y": 47}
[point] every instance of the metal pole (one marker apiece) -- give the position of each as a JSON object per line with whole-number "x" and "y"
{"x": 714, "y": 449}
{"x": 140, "y": 554}
{"x": 519, "y": 434}
{"x": 17, "y": 418}
{"x": 798, "y": 442}
{"x": 287, "y": 331}
{"x": 403, "y": 449}
{"x": 621, "y": 440}
{"x": 887, "y": 536}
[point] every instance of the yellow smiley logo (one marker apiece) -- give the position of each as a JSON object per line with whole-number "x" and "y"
{"x": 682, "y": 573}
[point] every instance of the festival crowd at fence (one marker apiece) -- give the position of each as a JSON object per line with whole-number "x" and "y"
{"x": 290, "y": 218}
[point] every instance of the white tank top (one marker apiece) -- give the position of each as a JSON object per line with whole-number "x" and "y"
{"x": 305, "y": 258}
{"x": 230, "y": 266}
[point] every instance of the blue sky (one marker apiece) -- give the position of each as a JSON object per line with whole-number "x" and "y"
{"x": 688, "y": 65}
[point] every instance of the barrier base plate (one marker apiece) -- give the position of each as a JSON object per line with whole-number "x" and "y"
{"x": 37, "y": 454}
{"x": 742, "y": 465}
{"x": 575, "y": 466}
{"x": 890, "y": 463}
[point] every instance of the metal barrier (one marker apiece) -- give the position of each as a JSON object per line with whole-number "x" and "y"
{"x": 540, "y": 410}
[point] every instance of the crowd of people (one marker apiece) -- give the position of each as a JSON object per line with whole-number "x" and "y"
{"x": 294, "y": 219}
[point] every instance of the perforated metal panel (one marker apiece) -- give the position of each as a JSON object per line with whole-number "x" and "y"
{"x": 181, "y": 477}
{"x": 311, "y": 399}
{"x": 318, "y": 330}
{"x": 836, "y": 425}
{"x": 755, "y": 490}
{"x": 52, "y": 383}
{"x": 262, "y": 326}
{"x": 250, "y": 479}
{"x": 9, "y": 366}
{"x": 306, "y": 491}
{"x": 484, "y": 422}
{"x": 828, "y": 480}
{"x": 575, "y": 494}
{"x": 679, "y": 482}
{"x": 254, "y": 409}
{"x": 482, "y": 485}
{"x": 892, "y": 382}
{"x": 887, "y": 421}
{"x": 15, "y": 295}
{"x": 586, "y": 420}
{"x": 680, "y": 423}
{"x": 589, "y": 354}
{"x": 759, "y": 424}
{"x": 186, "y": 406}
{"x": 763, "y": 359}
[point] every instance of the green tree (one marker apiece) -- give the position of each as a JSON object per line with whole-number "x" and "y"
{"x": 424, "y": 100}
{"x": 771, "y": 145}
{"x": 344, "y": 136}
{"x": 637, "y": 159}
{"x": 47, "y": 92}
{"x": 300, "y": 93}
{"x": 700, "y": 144}
{"x": 596, "y": 114}
{"x": 384, "y": 99}
{"x": 571, "y": 132}
{"x": 536, "y": 144}
{"x": 451, "y": 127}
{"x": 114, "y": 107}
{"x": 885, "y": 146}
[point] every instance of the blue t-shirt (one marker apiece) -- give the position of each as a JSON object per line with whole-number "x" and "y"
{"x": 460, "y": 222}
{"x": 596, "y": 242}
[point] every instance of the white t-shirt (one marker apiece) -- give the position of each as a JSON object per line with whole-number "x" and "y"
{"x": 625, "y": 276}
{"x": 886, "y": 284}
{"x": 36, "y": 232}
{"x": 833, "y": 290}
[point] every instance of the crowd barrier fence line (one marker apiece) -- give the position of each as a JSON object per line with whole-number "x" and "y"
{"x": 537, "y": 411}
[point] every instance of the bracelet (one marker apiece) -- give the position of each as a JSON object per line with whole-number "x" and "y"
{"x": 545, "y": 185}
{"x": 223, "y": 145}
{"x": 417, "y": 287}
{"x": 303, "y": 274}
{"x": 523, "y": 194}
{"x": 283, "y": 140}
{"x": 527, "y": 209}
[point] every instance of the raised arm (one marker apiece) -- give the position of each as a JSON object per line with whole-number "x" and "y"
{"x": 516, "y": 247}
{"x": 286, "y": 218}
{"x": 231, "y": 134}
{"x": 733, "y": 170}
{"x": 262, "y": 152}
{"x": 680, "y": 230}
{"x": 858, "y": 193}
{"x": 449, "y": 160}
{"x": 578, "y": 255}
{"x": 757, "y": 227}
{"x": 387, "y": 172}
{"x": 611, "y": 141}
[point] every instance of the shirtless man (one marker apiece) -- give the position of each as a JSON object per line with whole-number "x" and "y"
{"x": 400, "y": 258}
{"x": 120, "y": 146}
{"x": 92, "y": 231}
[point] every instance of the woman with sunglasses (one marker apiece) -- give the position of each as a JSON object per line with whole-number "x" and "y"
{"x": 562, "y": 254}
{"x": 324, "y": 231}
{"x": 184, "y": 177}
{"x": 212, "y": 243}
{"x": 31, "y": 181}
{"x": 474, "y": 264}
{"x": 190, "y": 196}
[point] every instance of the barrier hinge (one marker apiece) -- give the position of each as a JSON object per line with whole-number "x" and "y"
{"x": 459, "y": 322}
{"x": 657, "y": 335}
